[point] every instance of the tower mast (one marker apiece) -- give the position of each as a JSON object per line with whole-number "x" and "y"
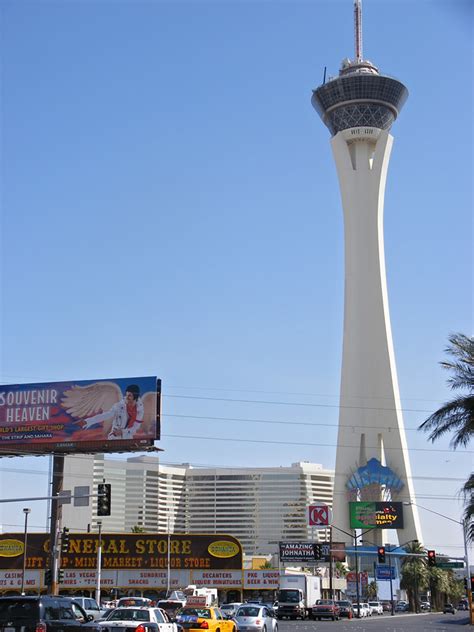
{"x": 358, "y": 30}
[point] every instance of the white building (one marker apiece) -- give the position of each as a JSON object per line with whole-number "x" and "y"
{"x": 259, "y": 506}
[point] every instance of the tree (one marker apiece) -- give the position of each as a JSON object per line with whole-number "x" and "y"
{"x": 137, "y": 529}
{"x": 415, "y": 575}
{"x": 372, "y": 590}
{"x": 457, "y": 415}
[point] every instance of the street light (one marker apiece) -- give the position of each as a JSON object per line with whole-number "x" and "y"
{"x": 26, "y": 511}
{"x": 463, "y": 524}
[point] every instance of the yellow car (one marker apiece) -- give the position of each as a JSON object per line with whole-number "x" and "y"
{"x": 210, "y": 619}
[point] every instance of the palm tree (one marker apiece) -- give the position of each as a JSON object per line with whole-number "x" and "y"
{"x": 457, "y": 415}
{"x": 415, "y": 575}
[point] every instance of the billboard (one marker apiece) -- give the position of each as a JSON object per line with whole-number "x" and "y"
{"x": 125, "y": 551}
{"x": 308, "y": 552}
{"x": 376, "y": 515}
{"x": 109, "y": 415}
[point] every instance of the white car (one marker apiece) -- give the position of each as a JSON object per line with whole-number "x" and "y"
{"x": 130, "y": 618}
{"x": 255, "y": 618}
{"x": 375, "y": 607}
{"x": 364, "y": 610}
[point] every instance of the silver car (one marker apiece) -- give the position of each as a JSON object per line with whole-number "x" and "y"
{"x": 255, "y": 618}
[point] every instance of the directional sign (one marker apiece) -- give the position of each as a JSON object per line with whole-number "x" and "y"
{"x": 319, "y": 516}
{"x": 450, "y": 564}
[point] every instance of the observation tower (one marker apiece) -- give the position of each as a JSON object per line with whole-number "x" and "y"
{"x": 372, "y": 462}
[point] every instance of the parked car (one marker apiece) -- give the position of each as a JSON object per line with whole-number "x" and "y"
{"x": 211, "y": 619}
{"x": 425, "y": 605}
{"x": 364, "y": 610}
{"x": 326, "y": 609}
{"x": 45, "y": 613}
{"x": 463, "y": 604}
{"x": 448, "y": 608}
{"x": 90, "y": 606}
{"x": 229, "y": 609}
{"x": 345, "y": 609}
{"x": 387, "y": 606}
{"x": 402, "y": 606}
{"x": 171, "y": 607}
{"x": 125, "y": 602}
{"x": 375, "y": 607}
{"x": 140, "y": 619}
{"x": 255, "y": 618}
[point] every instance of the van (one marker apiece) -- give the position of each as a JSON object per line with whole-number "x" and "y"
{"x": 90, "y": 606}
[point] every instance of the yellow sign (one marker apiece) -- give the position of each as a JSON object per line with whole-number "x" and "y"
{"x": 11, "y": 548}
{"x": 223, "y": 548}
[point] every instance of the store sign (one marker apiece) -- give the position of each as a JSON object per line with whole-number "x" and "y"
{"x": 265, "y": 579}
{"x": 319, "y": 516}
{"x": 217, "y": 579}
{"x": 11, "y": 580}
{"x": 376, "y": 515}
{"x": 141, "y": 552}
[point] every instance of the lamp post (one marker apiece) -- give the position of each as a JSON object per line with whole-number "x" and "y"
{"x": 26, "y": 511}
{"x": 463, "y": 524}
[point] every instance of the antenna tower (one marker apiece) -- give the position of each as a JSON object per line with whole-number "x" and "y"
{"x": 358, "y": 30}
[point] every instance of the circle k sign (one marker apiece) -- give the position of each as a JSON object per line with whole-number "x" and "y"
{"x": 319, "y": 516}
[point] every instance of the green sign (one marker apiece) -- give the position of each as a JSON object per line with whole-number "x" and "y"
{"x": 376, "y": 515}
{"x": 450, "y": 564}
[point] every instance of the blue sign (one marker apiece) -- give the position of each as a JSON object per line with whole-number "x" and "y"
{"x": 383, "y": 572}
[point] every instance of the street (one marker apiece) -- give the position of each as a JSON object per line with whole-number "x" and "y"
{"x": 430, "y": 622}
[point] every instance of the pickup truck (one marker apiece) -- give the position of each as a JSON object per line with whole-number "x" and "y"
{"x": 326, "y": 609}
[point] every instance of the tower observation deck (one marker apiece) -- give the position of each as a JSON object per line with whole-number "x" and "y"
{"x": 359, "y": 97}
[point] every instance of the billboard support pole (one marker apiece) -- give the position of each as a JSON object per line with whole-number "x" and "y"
{"x": 56, "y": 515}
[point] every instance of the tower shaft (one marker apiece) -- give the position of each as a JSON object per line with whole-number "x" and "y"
{"x": 370, "y": 420}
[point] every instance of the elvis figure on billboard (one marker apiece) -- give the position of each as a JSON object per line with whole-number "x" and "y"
{"x": 103, "y": 402}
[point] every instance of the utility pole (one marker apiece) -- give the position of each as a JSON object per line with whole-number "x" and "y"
{"x": 99, "y": 563}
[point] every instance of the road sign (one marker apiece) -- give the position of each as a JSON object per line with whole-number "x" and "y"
{"x": 450, "y": 564}
{"x": 319, "y": 516}
{"x": 384, "y": 572}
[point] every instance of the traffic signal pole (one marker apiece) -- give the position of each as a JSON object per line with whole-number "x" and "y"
{"x": 56, "y": 516}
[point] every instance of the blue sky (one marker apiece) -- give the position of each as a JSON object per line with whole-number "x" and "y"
{"x": 170, "y": 207}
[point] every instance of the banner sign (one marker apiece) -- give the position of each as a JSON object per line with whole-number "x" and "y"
{"x": 112, "y": 415}
{"x": 144, "y": 551}
{"x": 308, "y": 552}
{"x": 376, "y": 515}
{"x": 266, "y": 579}
{"x": 352, "y": 582}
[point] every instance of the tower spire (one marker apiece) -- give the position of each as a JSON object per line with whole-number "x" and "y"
{"x": 358, "y": 30}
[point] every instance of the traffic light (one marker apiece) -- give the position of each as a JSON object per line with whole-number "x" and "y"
{"x": 103, "y": 500}
{"x": 472, "y": 584}
{"x": 381, "y": 554}
{"x": 65, "y": 540}
{"x": 60, "y": 575}
{"x": 431, "y": 558}
{"x": 48, "y": 577}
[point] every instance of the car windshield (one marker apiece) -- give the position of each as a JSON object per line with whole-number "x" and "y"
{"x": 128, "y": 614}
{"x": 324, "y": 602}
{"x": 343, "y": 603}
{"x": 248, "y": 611}
{"x": 373, "y": 603}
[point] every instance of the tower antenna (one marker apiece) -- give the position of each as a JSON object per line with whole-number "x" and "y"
{"x": 358, "y": 30}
